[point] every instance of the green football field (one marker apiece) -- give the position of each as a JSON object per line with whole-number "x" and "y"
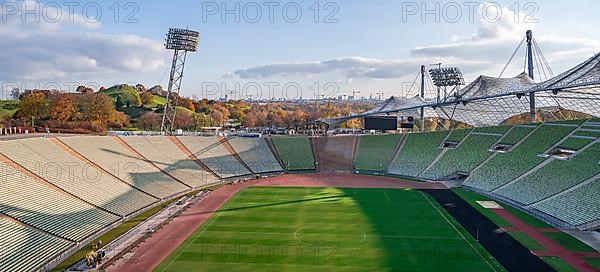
{"x": 330, "y": 229}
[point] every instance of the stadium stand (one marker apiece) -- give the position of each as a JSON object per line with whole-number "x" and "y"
{"x": 48, "y": 161}
{"x": 167, "y": 156}
{"x": 26, "y": 249}
{"x": 374, "y": 153}
{"x": 554, "y": 177}
{"x": 473, "y": 150}
{"x": 294, "y": 152}
{"x": 255, "y": 152}
{"x": 334, "y": 153}
{"x": 457, "y": 135}
{"x": 576, "y": 207}
{"x": 575, "y": 142}
{"x": 505, "y": 167}
{"x": 34, "y": 203}
{"x": 516, "y": 134}
{"x": 125, "y": 164}
{"x": 212, "y": 152}
{"x": 418, "y": 151}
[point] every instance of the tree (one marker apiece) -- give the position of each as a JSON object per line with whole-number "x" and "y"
{"x": 33, "y": 105}
{"x": 84, "y": 90}
{"x": 189, "y": 104}
{"x": 183, "y": 119}
{"x": 98, "y": 107}
{"x": 62, "y": 108}
{"x": 250, "y": 120}
{"x": 118, "y": 103}
{"x": 149, "y": 120}
{"x": 140, "y": 88}
{"x": 147, "y": 98}
{"x": 218, "y": 117}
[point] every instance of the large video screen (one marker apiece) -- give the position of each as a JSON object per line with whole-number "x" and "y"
{"x": 381, "y": 122}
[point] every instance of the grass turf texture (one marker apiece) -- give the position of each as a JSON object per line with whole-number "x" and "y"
{"x": 568, "y": 242}
{"x": 558, "y": 264}
{"x": 594, "y": 262}
{"x": 330, "y": 229}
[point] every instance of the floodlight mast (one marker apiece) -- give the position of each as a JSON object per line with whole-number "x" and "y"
{"x": 181, "y": 41}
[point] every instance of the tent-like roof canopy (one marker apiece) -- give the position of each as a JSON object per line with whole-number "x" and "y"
{"x": 488, "y": 101}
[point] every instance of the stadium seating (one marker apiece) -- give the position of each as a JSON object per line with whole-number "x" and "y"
{"x": 505, "y": 167}
{"x": 256, "y": 154}
{"x": 115, "y": 158}
{"x": 212, "y": 152}
{"x": 165, "y": 154}
{"x": 374, "y": 153}
{"x": 575, "y": 143}
{"x": 294, "y": 152}
{"x": 554, "y": 177}
{"x": 418, "y": 151}
{"x": 576, "y": 207}
{"x": 516, "y": 134}
{"x": 25, "y": 249}
{"x": 458, "y": 135}
{"x": 49, "y": 161}
{"x": 468, "y": 155}
{"x": 49, "y": 209}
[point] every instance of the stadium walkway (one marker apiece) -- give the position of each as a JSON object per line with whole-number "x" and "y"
{"x": 551, "y": 248}
{"x": 151, "y": 252}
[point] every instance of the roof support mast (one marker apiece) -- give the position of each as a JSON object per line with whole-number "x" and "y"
{"x": 423, "y": 96}
{"x": 532, "y": 110}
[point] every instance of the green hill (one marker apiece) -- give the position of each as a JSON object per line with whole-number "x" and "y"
{"x": 127, "y": 94}
{"x": 8, "y": 108}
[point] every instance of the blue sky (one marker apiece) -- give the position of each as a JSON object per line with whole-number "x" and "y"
{"x": 369, "y": 46}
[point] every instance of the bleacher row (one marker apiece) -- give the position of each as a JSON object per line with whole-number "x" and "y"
{"x": 69, "y": 189}
{"x": 56, "y": 193}
{"x": 524, "y": 173}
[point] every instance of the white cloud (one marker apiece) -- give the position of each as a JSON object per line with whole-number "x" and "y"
{"x": 69, "y": 48}
{"x": 484, "y": 52}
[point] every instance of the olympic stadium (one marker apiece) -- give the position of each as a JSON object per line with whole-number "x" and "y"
{"x": 515, "y": 188}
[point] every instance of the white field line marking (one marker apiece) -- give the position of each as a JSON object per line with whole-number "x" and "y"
{"x": 457, "y": 231}
{"x": 387, "y": 197}
{"x": 342, "y": 235}
{"x": 204, "y": 228}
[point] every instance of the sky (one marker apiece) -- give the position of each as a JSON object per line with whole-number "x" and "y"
{"x": 284, "y": 49}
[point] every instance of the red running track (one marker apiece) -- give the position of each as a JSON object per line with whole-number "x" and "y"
{"x": 152, "y": 251}
{"x": 551, "y": 248}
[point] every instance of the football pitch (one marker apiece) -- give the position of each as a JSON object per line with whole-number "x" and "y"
{"x": 330, "y": 229}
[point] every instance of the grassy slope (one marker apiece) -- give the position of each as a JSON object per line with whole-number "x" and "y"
{"x": 125, "y": 92}
{"x": 8, "y": 108}
{"x": 329, "y": 229}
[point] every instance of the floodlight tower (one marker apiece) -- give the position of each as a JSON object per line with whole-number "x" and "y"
{"x": 181, "y": 41}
